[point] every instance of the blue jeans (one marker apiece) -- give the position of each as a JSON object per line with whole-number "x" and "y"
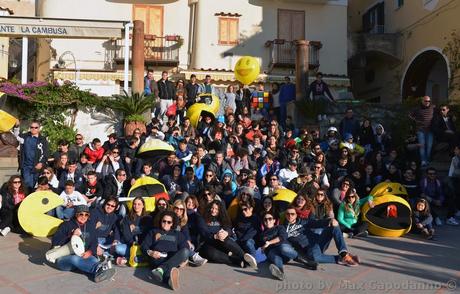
{"x": 426, "y": 139}
{"x": 249, "y": 246}
{"x": 71, "y": 262}
{"x": 122, "y": 250}
{"x": 30, "y": 177}
{"x": 320, "y": 242}
{"x": 63, "y": 212}
{"x": 281, "y": 254}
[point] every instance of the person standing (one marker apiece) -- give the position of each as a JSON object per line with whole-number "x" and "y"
{"x": 319, "y": 89}
{"x": 150, "y": 85}
{"x": 287, "y": 94}
{"x": 167, "y": 92}
{"x": 207, "y": 87}
{"x": 33, "y": 153}
{"x": 444, "y": 127}
{"x": 423, "y": 116}
{"x": 191, "y": 90}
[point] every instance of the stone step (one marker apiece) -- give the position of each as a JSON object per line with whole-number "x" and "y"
{"x": 8, "y": 167}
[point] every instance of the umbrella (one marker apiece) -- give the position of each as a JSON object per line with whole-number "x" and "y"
{"x": 146, "y": 187}
{"x": 390, "y": 216}
{"x": 154, "y": 148}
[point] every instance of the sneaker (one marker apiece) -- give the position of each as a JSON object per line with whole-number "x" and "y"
{"x": 438, "y": 221}
{"x": 347, "y": 260}
{"x": 157, "y": 274}
{"x": 276, "y": 272}
{"x": 103, "y": 274}
{"x": 309, "y": 264}
{"x": 197, "y": 260}
{"x": 250, "y": 260}
{"x": 174, "y": 279}
{"x": 346, "y": 235}
{"x": 450, "y": 221}
{"x": 355, "y": 258}
{"x": 362, "y": 234}
{"x": 5, "y": 231}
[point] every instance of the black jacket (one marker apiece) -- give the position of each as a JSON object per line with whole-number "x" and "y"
{"x": 142, "y": 226}
{"x": 162, "y": 241}
{"x": 42, "y": 150}
{"x": 111, "y": 187}
{"x": 247, "y": 228}
{"x": 166, "y": 90}
{"x": 105, "y": 224}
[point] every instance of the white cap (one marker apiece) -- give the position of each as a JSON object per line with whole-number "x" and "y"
{"x": 332, "y": 129}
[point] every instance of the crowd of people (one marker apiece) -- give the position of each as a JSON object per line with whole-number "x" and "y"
{"x": 222, "y": 180}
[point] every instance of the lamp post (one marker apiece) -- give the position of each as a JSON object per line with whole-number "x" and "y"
{"x": 61, "y": 62}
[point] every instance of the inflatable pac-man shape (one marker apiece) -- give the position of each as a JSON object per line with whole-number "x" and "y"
{"x": 154, "y": 149}
{"x": 389, "y": 188}
{"x": 7, "y": 121}
{"x": 283, "y": 197}
{"x": 146, "y": 187}
{"x": 32, "y": 213}
{"x": 208, "y": 105}
{"x": 247, "y": 69}
{"x": 390, "y": 216}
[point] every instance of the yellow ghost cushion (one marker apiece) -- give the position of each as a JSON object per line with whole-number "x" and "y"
{"x": 32, "y": 213}
{"x": 390, "y": 216}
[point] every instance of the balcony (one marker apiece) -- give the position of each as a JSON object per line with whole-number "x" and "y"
{"x": 162, "y": 51}
{"x": 376, "y": 42}
{"x": 283, "y": 54}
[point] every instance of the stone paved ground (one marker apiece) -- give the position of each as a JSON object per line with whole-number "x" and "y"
{"x": 389, "y": 266}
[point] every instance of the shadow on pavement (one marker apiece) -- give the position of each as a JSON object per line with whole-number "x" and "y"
{"x": 143, "y": 273}
{"x": 35, "y": 249}
{"x": 262, "y": 271}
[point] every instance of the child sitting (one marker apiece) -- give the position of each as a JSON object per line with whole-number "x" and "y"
{"x": 422, "y": 219}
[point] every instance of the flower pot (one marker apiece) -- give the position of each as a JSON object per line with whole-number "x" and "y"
{"x": 132, "y": 125}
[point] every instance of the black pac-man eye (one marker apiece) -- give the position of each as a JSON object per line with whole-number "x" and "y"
{"x": 45, "y": 201}
{"x": 390, "y": 189}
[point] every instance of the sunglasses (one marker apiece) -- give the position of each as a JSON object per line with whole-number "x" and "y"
{"x": 267, "y": 219}
{"x": 207, "y": 193}
{"x": 318, "y": 167}
{"x": 179, "y": 208}
{"x": 110, "y": 205}
{"x": 352, "y": 196}
{"x": 78, "y": 138}
{"x": 320, "y": 194}
{"x": 427, "y": 101}
{"x": 83, "y": 214}
{"x": 162, "y": 204}
{"x": 34, "y": 127}
{"x": 431, "y": 174}
{"x": 115, "y": 152}
{"x": 16, "y": 182}
{"x": 274, "y": 179}
{"x": 166, "y": 222}
{"x": 291, "y": 213}
{"x": 245, "y": 208}
{"x": 123, "y": 175}
{"x": 47, "y": 173}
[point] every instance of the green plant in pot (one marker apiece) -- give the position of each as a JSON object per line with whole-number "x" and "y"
{"x": 132, "y": 107}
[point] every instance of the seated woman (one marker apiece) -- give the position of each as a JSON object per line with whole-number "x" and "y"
{"x": 195, "y": 163}
{"x": 88, "y": 262}
{"x": 228, "y": 187}
{"x": 166, "y": 248}
{"x": 303, "y": 206}
{"x": 53, "y": 181}
{"x": 276, "y": 245}
{"x": 422, "y": 219}
{"x": 349, "y": 214}
{"x": 215, "y": 228}
{"x": 247, "y": 229}
{"x": 132, "y": 229}
{"x": 11, "y": 195}
{"x": 179, "y": 209}
{"x": 105, "y": 221}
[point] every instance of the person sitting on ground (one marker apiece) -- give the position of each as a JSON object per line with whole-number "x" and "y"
{"x": 276, "y": 246}
{"x": 349, "y": 214}
{"x": 12, "y": 194}
{"x": 71, "y": 199}
{"x": 88, "y": 262}
{"x": 105, "y": 221}
{"x": 166, "y": 249}
{"x": 92, "y": 188}
{"x": 422, "y": 219}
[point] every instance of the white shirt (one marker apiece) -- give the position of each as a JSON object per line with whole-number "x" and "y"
{"x": 286, "y": 175}
{"x": 75, "y": 198}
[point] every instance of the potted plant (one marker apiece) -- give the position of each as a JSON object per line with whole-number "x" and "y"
{"x": 132, "y": 107}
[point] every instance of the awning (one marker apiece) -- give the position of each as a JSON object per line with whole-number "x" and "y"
{"x": 60, "y": 28}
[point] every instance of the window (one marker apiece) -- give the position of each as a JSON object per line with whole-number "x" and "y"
{"x": 399, "y": 3}
{"x": 228, "y": 30}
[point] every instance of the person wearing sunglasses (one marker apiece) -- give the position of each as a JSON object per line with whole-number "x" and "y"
{"x": 166, "y": 249}
{"x": 111, "y": 161}
{"x": 78, "y": 146}
{"x": 423, "y": 115}
{"x": 215, "y": 228}
{"x": 11, "y": 195}
{"x": 276, "y": 246}
{"x": 105, "y": 220}
{"x": 88, "y": 263}
{"x": 34, "y": 153}
{"x": 349, "y": 214}
{"x": 180, "y": 210}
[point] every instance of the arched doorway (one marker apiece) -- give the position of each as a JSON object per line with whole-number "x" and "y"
{"x": 427, "y": 75}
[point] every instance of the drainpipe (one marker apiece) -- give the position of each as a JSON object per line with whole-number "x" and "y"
{"x": 128, "y": 26}
{"x": 192, "y": 25}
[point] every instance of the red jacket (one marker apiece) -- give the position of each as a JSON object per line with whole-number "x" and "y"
{"x": 94, "y": 155}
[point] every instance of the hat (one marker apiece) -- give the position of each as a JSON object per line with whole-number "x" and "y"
{"x": 81, "y": 208}
{"x": 293, "y": 162}
{"x": 221, "y": 119}
{"x": 112, "y": 135}
{"x": 247, "y": 190}
{"x": 332, "y": 129}
{"x": 348, "y": 136}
